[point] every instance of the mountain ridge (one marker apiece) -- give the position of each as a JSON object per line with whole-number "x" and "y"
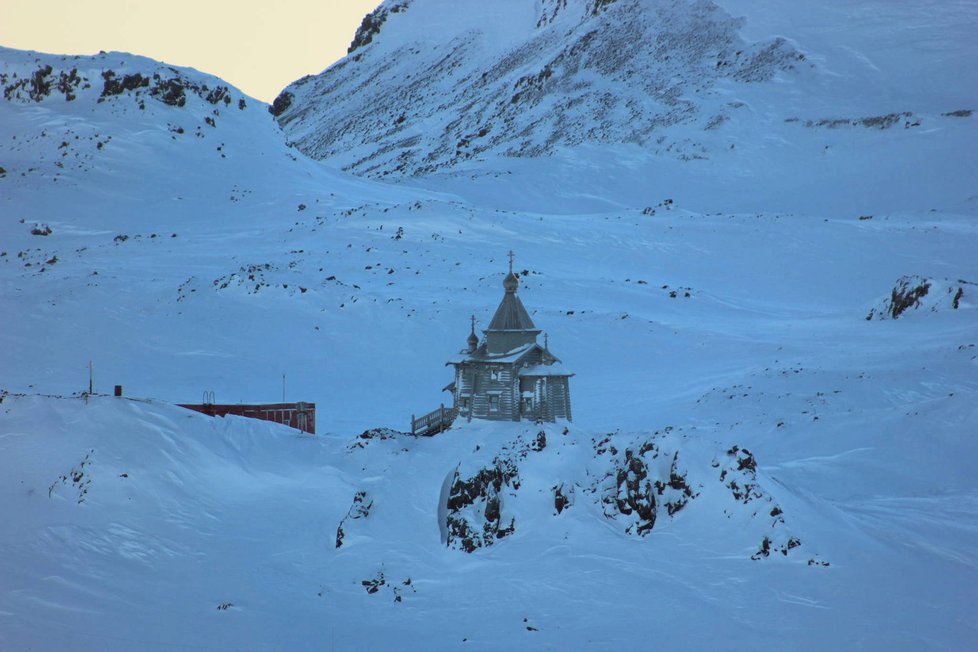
{"x": 488, "y": 99}
{"x": 539, "y": 95}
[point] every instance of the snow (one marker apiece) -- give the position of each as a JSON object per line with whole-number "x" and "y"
{"x": 555, "y": 369}
{"x": 733, "y": 315}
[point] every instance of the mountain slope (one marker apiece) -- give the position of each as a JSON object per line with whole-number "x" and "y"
{"x": 519, "y": 81}
{"x": 821, "y": 107}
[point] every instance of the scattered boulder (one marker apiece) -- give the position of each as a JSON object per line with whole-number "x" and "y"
{"x": 563, "y": 498}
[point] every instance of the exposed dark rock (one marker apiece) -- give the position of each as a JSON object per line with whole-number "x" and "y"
{"x": 281, "y": 103}
{"x": 906, "y": 296}
{"x": 40, "y": 84}
{"x": 540, "y": 442}
{"x": 219, "y": 94}
{"x": 377, "y": 434}
{"x": 475, "y": 510}
{"x": 561, "y": 500}
{"x": 371, "y": 24}
{"x": 871, "y": 122}
{"x": 116, "y": 86}
{"x": 767, "y": 547}
{"x": 373, "y": 585}
{"x": 682, "y": 493}
{"x": 911, "y": 293}
{"x": 171, "y": 92}
{"x": 634, "y": 494}
{"x": 599, "y": 5}
{"x": 955, "y": 303}
{"x": 744, "y": 468}
{"x": 358, "y": 510}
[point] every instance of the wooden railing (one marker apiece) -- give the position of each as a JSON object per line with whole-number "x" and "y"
{"x": 433, "y": 422}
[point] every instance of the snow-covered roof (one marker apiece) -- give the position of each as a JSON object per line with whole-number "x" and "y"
{"x": 555, "y": 369}
{"x": 482, "y": 355}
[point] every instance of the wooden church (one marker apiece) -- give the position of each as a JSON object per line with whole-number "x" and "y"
{"x": 508, "y": 375}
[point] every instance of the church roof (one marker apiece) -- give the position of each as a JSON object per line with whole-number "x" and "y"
{"x": 555, "y": 369}
{"x": 511, "y": 315}
{"x": 484, "y": 356}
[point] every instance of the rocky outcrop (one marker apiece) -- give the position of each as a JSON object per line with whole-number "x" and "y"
{"x": 636, "y": 490}
{"x": 738, "y": 473}
{"x": 360, "y": 509}
{"x": 476, "y": 515}
{"x": 377, "y": 434}
{"x": 634, "y": 497}
{"x": 42, "y": 83}
{"x": 165, "y": 84}
{"x": 281, "y": 103}
{"x": 563, "y": 497}
{"x": 914, "y": 294}
{"x": 372, "y": 22}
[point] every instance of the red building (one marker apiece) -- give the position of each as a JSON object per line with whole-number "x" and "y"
{"x": 301, "y": 416}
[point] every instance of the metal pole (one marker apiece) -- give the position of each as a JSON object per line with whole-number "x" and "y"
{"x": 283, "y": 388}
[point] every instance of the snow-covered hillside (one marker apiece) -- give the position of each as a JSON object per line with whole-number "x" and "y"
{"x": 721, "y": 105}
{"x": 775, "y": 409}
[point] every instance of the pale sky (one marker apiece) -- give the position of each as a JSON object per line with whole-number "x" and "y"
{"x": 260, "y": 47}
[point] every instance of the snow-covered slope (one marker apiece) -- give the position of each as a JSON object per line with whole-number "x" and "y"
{"x": 632, "y": 101}
{"x": 727, "y": 382}
{"x": 142, "y": 525}
{"x": 518, "y": 79}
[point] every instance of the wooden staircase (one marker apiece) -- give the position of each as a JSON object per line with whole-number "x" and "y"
{"x": 434, "y": 422}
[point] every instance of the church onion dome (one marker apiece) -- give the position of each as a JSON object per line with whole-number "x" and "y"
{"x": 473, "y": 341}
{"x": 511, "y": 283}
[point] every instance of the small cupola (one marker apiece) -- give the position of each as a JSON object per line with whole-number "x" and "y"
{"x": 512, "y": 282}
{"x": 473, "y": 339}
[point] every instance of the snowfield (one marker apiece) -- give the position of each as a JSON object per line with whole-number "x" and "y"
{"x": 776, "y": 374}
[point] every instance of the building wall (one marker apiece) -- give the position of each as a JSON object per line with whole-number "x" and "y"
{"x": 301, "y": 416}
{"x": 475, "y": 383}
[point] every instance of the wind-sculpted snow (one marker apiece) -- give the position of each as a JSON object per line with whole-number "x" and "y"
{"x": 575, "y": 73}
